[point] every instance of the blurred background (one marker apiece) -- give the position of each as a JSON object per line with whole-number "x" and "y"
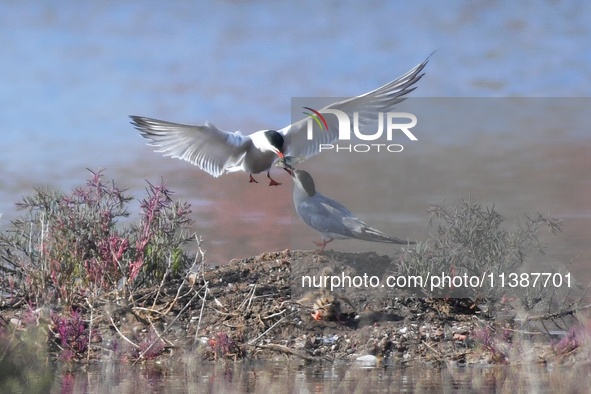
{"x": 503, "y": 107}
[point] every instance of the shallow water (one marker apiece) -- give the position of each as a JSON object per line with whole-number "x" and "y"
{"x": 292, "y": 377}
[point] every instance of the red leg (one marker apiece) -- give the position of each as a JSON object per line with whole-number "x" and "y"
{"x": 272, "y": 181}
{"x": 323, "y": 243}
{"x": 252, "y": 179}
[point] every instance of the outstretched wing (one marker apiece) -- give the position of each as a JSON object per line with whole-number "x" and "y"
{"x": 209, "y": 148}
{"x": 367, "y": 106}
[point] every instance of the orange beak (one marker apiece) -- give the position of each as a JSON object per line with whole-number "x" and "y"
{"x": 317, "y": 315}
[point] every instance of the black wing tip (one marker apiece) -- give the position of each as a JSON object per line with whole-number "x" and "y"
{"x": 146, "y": 126}
{"x": 398, "y": 241}
{"x": 401, "y": 241}
{"x": 419, "y": 67}
{"x": 424, "y": 62}
{"x": 151, "y": 123}
{"x": 411, "y": 78}
{"x": 137, "y": 120}
{"x": 393, "y": 240}
{"x": 142, "y": 125}
{"x": 407, "y": 82}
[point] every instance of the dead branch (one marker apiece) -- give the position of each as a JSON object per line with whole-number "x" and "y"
{"x": 168, "y": 326}
{"x": 252, "y": 341}
{"x": 201, "y": 312}
{"x": 557, "y": 315}
{"x": 120, "y": 333}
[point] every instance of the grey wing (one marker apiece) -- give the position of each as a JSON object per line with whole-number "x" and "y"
{"x": 334, "y": 221}
{"x": 367, "y": 106}
{"x": 209, "y": 148}
{"x": 333, "y": 217}
{"x": 324, "y": 214}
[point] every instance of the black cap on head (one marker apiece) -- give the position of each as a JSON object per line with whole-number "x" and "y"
{"x": 306, "y": 181}
{"x": 275, "y": 139}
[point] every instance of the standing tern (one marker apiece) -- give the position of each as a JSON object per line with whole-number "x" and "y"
{"x": 330, "y": 218}
{"x": 216, "y": 151}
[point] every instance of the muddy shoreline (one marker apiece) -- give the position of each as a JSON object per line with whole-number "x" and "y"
{"x": 252, "y": 309}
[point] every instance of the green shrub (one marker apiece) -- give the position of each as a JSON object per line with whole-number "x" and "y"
{"x": 67, "y": 247}
{"x": 472, "y": 240}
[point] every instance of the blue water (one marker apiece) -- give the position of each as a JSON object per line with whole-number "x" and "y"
{"x": 71, "y": 72}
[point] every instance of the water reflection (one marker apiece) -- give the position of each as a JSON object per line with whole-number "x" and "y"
{"x": 286, "y": 376}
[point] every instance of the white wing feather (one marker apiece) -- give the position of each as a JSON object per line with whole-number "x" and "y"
{"x": 211, "y": 149}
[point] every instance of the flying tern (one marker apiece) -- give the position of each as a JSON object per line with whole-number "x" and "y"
{"x": 216, "y": 151}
